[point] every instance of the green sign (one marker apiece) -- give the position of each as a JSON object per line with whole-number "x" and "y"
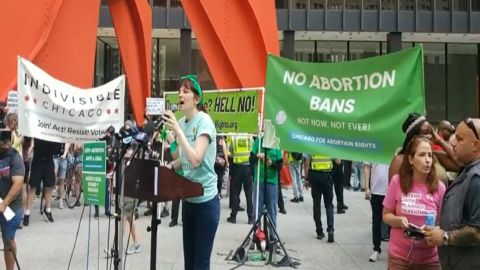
{"x": 349, "y": 110}
{"x": 232, "y": 111}
{"x": 94, "y": 173}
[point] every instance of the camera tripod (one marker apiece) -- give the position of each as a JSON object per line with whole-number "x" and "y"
{"x": 241, "y": 253}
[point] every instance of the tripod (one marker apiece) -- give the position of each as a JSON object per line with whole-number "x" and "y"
{"x": 241, "y": 253}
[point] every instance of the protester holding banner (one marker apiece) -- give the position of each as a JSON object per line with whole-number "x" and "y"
{"x": 11, "y": 123}
{"x": 42, "y": 171}
{"x": 413, "y": 195}
{"x": 268, "y": 196}
{"x": 195, "y": 134}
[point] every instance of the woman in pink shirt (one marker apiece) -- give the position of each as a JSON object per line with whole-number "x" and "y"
{"x": 412, "y": 194}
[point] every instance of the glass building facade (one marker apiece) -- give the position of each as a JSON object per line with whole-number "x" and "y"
{"x": 451, "y": 48}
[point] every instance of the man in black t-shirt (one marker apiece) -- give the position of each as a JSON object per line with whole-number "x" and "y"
{"x": 12, "y": 172}
{"x": 42, "y": 170}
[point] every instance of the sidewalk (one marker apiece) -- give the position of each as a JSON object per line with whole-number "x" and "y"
{"x": 48, "y": 246}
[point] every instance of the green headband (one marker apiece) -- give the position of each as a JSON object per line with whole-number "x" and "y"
{"x": 193, "y": 79}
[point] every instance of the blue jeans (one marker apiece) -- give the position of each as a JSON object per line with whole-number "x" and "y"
{"x": 295, "y": 167}
{"x": 9, "y": 228}
{"x": 270, "y": 202}
{"x": 356, "y": 179}
{"x": 200, "y": 222}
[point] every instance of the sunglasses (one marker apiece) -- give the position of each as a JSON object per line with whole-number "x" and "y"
{"x": 471, "y": 125}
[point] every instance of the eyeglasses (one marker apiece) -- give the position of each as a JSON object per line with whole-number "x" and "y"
{"x": 471, "y": 125}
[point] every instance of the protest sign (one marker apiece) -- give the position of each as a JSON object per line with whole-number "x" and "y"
{"x": 232, "y": 110}
{"x": 53, "y": 110}
{"x": 349, "y": 110}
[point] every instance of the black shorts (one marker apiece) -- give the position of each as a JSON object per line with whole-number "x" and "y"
{"x": 42, "y": 170}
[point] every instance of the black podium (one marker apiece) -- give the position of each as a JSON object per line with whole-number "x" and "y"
{"x": 147, "y": 180}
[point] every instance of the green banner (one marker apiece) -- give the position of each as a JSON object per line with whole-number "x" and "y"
{"x": 94, "y": 173}
{"x": 232, "y": 110}
{"x": 349, "y": 110}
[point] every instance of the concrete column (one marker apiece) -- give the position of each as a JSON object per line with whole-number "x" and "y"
{"x": 288, "y": 44}
{"x": 394, "y": 42}
{"x": 185, "y": 51}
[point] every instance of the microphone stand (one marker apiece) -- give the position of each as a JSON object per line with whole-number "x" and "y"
{"x": 118, "y": 211}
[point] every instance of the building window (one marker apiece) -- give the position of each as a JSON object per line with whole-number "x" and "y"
{"x": 389, "y": 4}
{"x": 317, "y": 4}
{"x": 370, "y": 4}
{"x": 460, "y": 5}
{"x": 305, "y": 51}
{"x": 353, "y": 4}
{"x": 476, "y": 5}
{"x": 331, "y": 51}
{"x": 159, "y": 3}
{"x": 363, "y": 49}
{"x": 335, "y": 4}
{"x": 167, "y": 64}
{"x": 407, "y": 4}
{"x": 175, "y": 3}
{"x": 435, "y": 82}
{"x": 199, "y": 67}
{"x": 425, "y": 5}
{"x": 299, "y": 4}
{"x": 442, "y": 5}
{"x": 281, "y": 4}
{"x": 462, "y": 72}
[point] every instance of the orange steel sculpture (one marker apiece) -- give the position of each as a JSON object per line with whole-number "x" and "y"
{"x": 235, "y": 37}
{"x": 59, "y": 36}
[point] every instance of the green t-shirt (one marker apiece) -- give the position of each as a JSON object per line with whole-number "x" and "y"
{"x": 272, "y": 154}
{"x": 200, "y": 124}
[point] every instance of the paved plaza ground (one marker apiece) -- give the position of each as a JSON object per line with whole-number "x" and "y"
{"x": 48, "y": 246}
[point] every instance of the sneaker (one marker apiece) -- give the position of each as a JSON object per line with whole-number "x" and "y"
{"x": 148, "y": 212}
{"x": 340, "y": 211}
{"x": 300, "y": 199}
{"x": 173, "y": 223}
{"x": 344, "y": 207}
{"x": 283, "y": 211}
{"x": 330, "y": 237}
{"x": 48, "y": 215}
{"x": 164, "y": 213}
{"x": 26, "y": 220}
{"x": 295, "y": 200}
{"x": 60, "y": 205}
{"x": 132, "y": 249}
{"x": 374, "y": 256}
{"x": 240, "y": 209}
{"x": 232, "y": 220}
{"x": 320, "y": 236}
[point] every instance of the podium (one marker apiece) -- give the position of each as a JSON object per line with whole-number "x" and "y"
{"x": 148, "y": 180}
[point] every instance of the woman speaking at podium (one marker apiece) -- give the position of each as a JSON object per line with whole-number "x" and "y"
{"x": 195, "y": 134}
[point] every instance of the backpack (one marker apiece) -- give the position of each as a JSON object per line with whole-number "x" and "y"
{"x": 297, "y": 156}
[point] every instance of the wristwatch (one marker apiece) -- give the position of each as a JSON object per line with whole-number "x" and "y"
{"x": 445, "y": 238}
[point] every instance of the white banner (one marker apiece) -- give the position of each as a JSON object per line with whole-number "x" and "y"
{"x": 53, "y": 110}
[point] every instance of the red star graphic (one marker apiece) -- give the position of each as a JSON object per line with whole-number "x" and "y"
{"x": 116, "y": 110}
{"x": 27, "y": 98}
{"x": 108, "y": 111}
